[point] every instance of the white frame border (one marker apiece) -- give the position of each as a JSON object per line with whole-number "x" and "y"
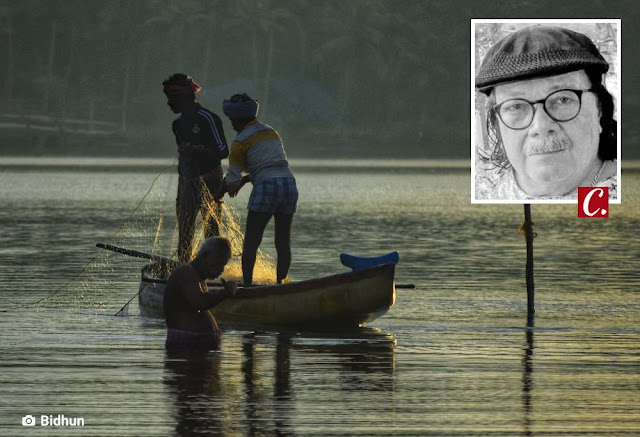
{"x": 618, "y": 114}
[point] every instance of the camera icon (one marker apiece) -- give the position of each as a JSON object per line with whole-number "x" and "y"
{"x": 28, "y": 420}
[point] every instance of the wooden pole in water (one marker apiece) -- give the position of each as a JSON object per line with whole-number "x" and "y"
{"x": 527, "y": 228}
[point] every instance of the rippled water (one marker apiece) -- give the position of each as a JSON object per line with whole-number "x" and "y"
{"x": 453, "y": 357}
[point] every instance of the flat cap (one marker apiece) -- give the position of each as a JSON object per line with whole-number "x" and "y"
{"x": 538, "y": 51}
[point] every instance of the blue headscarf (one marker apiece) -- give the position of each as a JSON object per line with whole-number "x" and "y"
{"x": 240, "y": 106}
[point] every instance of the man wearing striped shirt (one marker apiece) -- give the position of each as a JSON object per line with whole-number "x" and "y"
{"x": 201, "y": 146}
{"x": 259, "y": 152}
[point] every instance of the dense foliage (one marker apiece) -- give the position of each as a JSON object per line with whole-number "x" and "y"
{"x": 357, "y": 77}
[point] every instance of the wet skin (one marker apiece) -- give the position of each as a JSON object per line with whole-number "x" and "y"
{"x": 187, "y": 300}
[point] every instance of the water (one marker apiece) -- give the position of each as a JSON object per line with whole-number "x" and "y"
{"x": 453, "y": 357}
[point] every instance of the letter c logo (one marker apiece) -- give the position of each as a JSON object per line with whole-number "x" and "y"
{"x": 587, "y": 202}
{"x": 593, "y": 202}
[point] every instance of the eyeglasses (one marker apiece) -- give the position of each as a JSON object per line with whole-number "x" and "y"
{"x": 561, "y": 106}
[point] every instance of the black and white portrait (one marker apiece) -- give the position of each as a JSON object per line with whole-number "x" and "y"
{"x": 545, "y": 114}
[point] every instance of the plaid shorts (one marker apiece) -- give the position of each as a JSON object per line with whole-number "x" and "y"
{"x": 275, "y": 196}
{"x": 179, "y": 341}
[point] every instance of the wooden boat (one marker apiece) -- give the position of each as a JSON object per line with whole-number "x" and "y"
{"x": 345, "y": 300}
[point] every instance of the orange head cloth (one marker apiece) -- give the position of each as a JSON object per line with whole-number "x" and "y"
{"x": 174, "y": 90}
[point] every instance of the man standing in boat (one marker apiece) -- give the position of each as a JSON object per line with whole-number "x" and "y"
{"x": 201, "y": 146}
{"x": 258, "y": 151}
{"x": 190, "y": 325}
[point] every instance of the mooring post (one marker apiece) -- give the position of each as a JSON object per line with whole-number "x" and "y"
{"x": 527, "y": 228}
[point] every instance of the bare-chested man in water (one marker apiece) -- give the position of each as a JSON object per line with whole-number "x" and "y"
{"x": 190, "y": 325}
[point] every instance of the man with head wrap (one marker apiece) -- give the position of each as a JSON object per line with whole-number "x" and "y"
{"x": 258, "y": 151}
{"x": 201, "y": 147}
{"x": 550, "y": 119}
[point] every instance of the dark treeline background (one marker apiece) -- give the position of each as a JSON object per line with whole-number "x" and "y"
{"x": 337, "y": 78}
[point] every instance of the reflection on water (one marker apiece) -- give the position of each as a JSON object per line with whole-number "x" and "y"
{"x": 259, "y": 397}
{"x": 194, "y": 383}
{"x": 450, "y": 358}
{"x": 527, "y": 377}
{"x": 259, "y": 400}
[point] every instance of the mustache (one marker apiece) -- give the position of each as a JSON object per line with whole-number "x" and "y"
{"x": 546, "y": 145}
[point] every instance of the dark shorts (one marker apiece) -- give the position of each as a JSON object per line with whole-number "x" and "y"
{"x": 187, "y": 341}
{"x": 275, "y": 196}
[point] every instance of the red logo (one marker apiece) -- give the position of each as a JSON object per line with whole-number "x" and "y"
{"x": 593, "y": 202}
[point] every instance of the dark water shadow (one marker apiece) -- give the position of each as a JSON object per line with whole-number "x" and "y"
{"x": 195, "y": 384}
{"x": 527, "y": 377}
{"x": 363, "y": 360}
{"x": 257, "y": 395}
{"x": 261, "y": 403}
{"x": 366, "y": 352}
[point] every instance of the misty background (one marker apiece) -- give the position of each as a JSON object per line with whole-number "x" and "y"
{"x": 354, "y": 79}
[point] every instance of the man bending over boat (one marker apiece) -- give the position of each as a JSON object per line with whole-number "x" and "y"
{"x": 190, "y": 325}
{"x": 201, "y": 146}
{"x": 258, "y": 151}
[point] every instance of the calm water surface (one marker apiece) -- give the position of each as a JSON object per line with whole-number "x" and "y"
{"x": 453, "y": 357}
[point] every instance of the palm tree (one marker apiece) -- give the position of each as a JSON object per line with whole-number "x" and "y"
{"x": 264, "y": 19}
{"x": 7, "y": 28}
{"x": 216, "y": 20}
{"x": 113, "y": 16}
{"x": 304, "y": 18}
{"x": 358, "y": 31}
{"x": 174, "y": 18}
{"x": 49, "y": 75}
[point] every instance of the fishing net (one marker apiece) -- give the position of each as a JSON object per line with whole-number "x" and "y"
{"x": 109, "y": 280}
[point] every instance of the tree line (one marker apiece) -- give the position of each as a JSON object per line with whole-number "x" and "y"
{"x": 379, "y": 72}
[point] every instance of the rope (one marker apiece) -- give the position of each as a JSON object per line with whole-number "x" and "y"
{"x": 84, "y": 269}
{"x": 526, "y": 227}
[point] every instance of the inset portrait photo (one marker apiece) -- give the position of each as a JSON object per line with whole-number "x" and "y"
{"x": 545, "y": 110}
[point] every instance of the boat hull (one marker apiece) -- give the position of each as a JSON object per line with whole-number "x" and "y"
{"x": 346, "y": 300}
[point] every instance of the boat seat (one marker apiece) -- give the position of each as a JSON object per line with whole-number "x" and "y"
{"x": 357, "y": 263}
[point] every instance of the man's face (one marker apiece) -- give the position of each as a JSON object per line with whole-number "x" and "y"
{"x": 552, "y": 157}
{"x": 214, "y": 264}
{"x": 174, "y": 105}
{"x": 238, "y": 125}
{"x": 178, "y": 103}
